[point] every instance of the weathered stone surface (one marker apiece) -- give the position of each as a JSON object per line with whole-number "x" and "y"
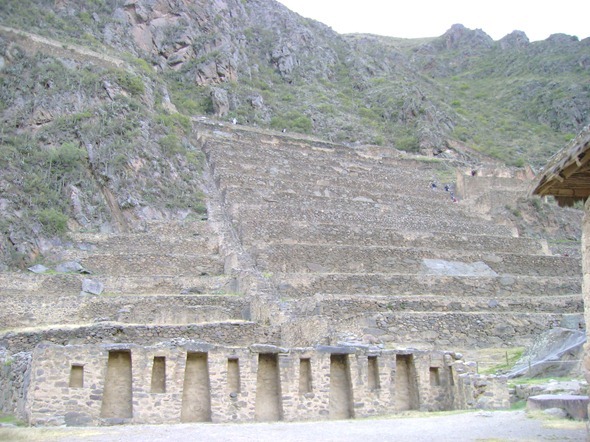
{"x": 92, "y": 286}
{"x": 70, "y": 267}
{"x": 220, "y": 100}
{"x": 455, "y": 268}
{"x": 575, "y": 406}
{"x": 38, "y": 268}
{"x": 75, "y": 419}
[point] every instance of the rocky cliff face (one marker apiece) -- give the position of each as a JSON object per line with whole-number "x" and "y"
{"x": 96, "y": 105}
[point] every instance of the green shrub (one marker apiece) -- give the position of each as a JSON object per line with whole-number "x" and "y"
{"x": 131, "y": 83}
{"x": 66, "y": 158}
{"x": 171, "y": 144}
{"x": 53, "y": 221}
{"x": 409, "y": 143}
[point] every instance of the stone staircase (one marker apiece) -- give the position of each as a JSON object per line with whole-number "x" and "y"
{"x": 355, "y": 241}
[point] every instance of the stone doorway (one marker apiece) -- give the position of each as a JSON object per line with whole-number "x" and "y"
{"x": 341, "y": 406}
{"x": 268, "y": 405}
{"x": 406, "y": 388}
{"x": 196, "y": 391}
{"x": 117, "y": 400}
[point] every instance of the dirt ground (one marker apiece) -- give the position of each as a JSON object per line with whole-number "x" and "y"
{"x": 480, "y": 426}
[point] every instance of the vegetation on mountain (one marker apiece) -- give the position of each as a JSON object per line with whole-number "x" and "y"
{"x": 87, "y": 143}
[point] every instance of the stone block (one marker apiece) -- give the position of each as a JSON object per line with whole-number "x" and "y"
{"x": 575, "y": 406}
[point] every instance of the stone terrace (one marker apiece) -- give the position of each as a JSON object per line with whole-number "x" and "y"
{"x": 355, "y": 242}
{"x": 171, "y": 275}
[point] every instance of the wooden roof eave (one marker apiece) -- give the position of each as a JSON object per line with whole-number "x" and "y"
{"x": 563, "y": 167}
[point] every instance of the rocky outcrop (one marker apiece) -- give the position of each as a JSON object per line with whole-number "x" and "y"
{"x": 514, "y": 40}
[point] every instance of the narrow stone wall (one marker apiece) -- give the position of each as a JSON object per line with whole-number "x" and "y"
{"x": 15, "y": 371}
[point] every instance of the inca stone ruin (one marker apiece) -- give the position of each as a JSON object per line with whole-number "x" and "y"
{"x": 326, "y": 282}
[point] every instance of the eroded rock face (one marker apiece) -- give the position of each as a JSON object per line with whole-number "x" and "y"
{"x": 460, "y": 36}
{"x": 220, "y": 100}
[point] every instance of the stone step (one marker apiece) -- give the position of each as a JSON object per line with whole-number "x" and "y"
{"x": 275, "y": 231}
{"x": 229, "y": 333}
{"x": 324, "y": 182}
{"x": 383, "y": 217}
{"x": 312, "y": 169}
{"x": 344, "y": 161}
{"x": 51, "y": 285}
{"x": 38, "y": 310}
{"x": 436, "y": 205}
{"x": 304, "y": 285}
{"x": 169, "y": 229}
{"x": 136, "y": 244}
{"x": 196, "y": 238}
{"x": 125, "y": 264}
{"x": 445, "y": 330}
{"x": 237, "y": 147}
{"x": 322, "y": 258}
{"x": 337, "y": 306}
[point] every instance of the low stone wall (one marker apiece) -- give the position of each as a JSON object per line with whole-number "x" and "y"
{"x": 225, "y": 333}
{"x": 166, "y": 309}
{"x": 460, "y": 330}
{"x": 338, "y": 306}
{"x": 374, "y": 218}
{"x": 71, "y": 284}
{"x": 472, "y": 186}
{"x": 302, "y": 285}
{"x": 153, "y": 264}
{"x": 189, "y": 381}
{"x": 331, "y": 233}
{"x": 39, "y": 310}
{"x": 324, "y": 258}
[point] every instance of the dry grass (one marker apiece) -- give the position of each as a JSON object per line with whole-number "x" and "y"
{"x": 42, "y": 434}
{"x": 556, "y": 423}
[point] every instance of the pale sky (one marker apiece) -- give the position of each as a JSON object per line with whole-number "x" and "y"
{"x": 432, "y": 18}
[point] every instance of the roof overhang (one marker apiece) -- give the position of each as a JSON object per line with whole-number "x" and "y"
{"x": 567, "y": 175}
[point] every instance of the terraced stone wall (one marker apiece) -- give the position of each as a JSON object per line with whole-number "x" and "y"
{"x": 227, "y": 333}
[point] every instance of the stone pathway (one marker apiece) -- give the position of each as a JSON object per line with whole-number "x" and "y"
{"x": 474, "y": 426}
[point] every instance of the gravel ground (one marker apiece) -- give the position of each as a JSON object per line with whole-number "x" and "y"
{"x": 474, "y": 426}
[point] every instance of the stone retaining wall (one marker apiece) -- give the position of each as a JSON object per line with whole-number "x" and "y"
{"x": 226, "y": 333}
{"x": 381, "y": 259}
{"x": 302, "y": 285}
{"x": 294, "y": 231}
{"x": 68, "y": 383}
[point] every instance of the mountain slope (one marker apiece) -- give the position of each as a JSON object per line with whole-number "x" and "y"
{"x": 96, "y": 120}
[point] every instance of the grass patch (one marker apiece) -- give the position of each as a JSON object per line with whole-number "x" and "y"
{"x": 9, "y": 419}
{"x": 518, "y": 405}
{"x": 498, "y": 360}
